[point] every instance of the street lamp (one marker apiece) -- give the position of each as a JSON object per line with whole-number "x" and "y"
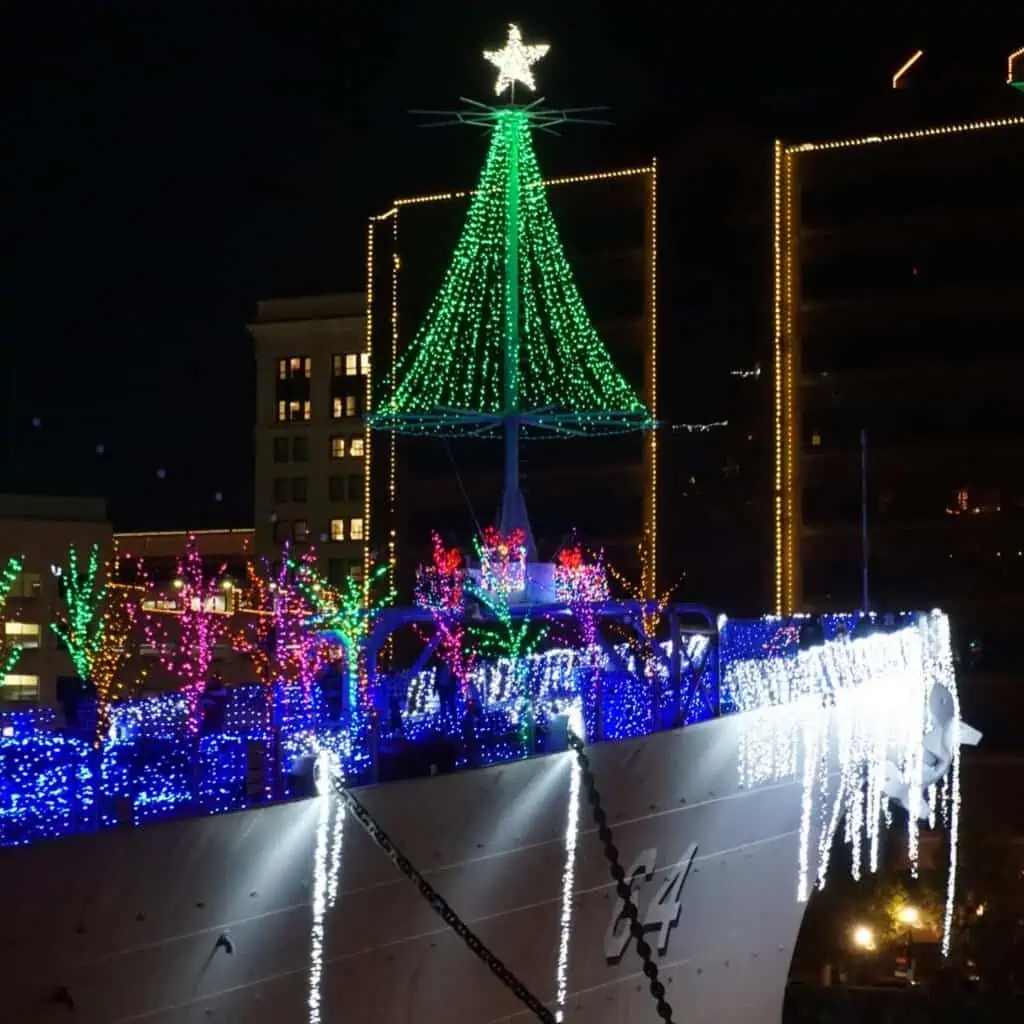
{"x": 910, "y": 916}
{"x": 864, "y": 938}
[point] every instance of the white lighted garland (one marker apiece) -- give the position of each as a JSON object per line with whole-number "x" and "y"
{"x": 883, "y": 713}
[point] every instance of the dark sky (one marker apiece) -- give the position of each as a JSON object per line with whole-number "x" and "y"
{"x": 168, "y": 164}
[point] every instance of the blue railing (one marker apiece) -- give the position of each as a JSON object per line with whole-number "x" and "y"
{"x": 256, "y": 743}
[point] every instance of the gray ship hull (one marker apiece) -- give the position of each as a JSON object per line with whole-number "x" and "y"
{"x": 125, "y": 924}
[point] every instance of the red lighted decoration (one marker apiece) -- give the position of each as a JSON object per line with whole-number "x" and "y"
{"x": 578, "y": 581}
{"x": 440, "y": 587}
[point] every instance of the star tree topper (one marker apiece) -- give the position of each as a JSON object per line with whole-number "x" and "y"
{"x": 515, "y": 61}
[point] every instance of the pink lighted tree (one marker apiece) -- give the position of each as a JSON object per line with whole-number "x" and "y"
{"x": 186, "y": 636}
{"x": 440, "y": 588}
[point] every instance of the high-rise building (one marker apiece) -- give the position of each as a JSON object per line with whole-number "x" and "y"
{"x": 312, "y": 480}
{"x": 605, "y": 489}
{"x": 898, "y": 313}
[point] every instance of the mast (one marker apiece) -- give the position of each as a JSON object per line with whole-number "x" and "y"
{"x": 513, "y": 514}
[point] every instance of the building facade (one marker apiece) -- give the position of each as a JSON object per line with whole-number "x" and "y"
{"x": 312, "y": 482}
{"x": 153, "y": 559}
{"x": 41, "y": 531}
{"x": 898, "y": 309}
{"x": 604, "y": 490}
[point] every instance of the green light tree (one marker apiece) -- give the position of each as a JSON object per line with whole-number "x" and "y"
{"x": 349, "y": 613}
{"x": 507, "y": 346}
{"x": 508, "y": 635}
{"x": 82, "y": 624}
{"x": 10, "y": 649}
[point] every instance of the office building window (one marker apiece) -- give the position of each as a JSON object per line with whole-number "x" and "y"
{"x": 356, "y": 569}
{"x": 280, "y": 531}
{"x": 355, "y": 529}
{"x": 350, "y": 364}
{"x": 300, "y": 449}
{"x": 22, "y": 634}
{"x": 337, "y": 570}
{"x": 336, "y": 488}
{"x": 19, "y": 688}
{"x": 300, "y": 489}
{"x": 280, "y": 449}
{"x": 337, "y": 529}
{"x": 357, "y": 447}
{"x": 337, "y": 447}
{"x": 364, "y": 363}
{"x": 294, "y": 366}
{"x": 282, "y": 490}
{"x": 356, "y": 487}
{"x": 26, "y": 584}
{"x": 345, "y": 406}
{"x": 294, "y": 410}
{"x": 300, "y": 531}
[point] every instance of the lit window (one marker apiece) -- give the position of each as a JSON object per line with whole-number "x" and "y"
{"x": 337, "y": 529}
{"x": 23, "y": 634}
{"x": 364, "y": 363}
{"x": 815, "y": 440}
{"x": 26, "y": 584}
{"x": 351, "y": 365}
{"x": 294, "y": 366}
{"x": 20, "y": 688}
{"x": 355, "y": 529}
{"x": 293, "y": 411}
{"x": 337, "y": 408}
{"x": 337, "y": 447}
{"x": 337, "y": 364}
{"x": 357, "y": 447}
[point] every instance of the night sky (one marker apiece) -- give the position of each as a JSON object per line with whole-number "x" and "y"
{"x": 168, "y": 164}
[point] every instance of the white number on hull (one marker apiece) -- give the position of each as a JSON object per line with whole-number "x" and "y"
{"x": 662, "y": 912}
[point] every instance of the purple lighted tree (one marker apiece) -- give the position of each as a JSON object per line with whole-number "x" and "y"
{"x": 440, "y": 588}
{"x": 201, "y": 618}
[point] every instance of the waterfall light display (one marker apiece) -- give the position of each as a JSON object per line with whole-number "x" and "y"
{"x": 276, "y": 638}
{"x": 81, "y": 627}
{"x": 882, "y": 710}
{"x": 10, "y": 649}
{"x": 347, "y": 613}
{"x": 186, "y": 639}
{"x": 441, "y": 588}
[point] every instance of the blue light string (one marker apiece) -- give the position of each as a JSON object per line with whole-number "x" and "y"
{"x": 150, "y": 767}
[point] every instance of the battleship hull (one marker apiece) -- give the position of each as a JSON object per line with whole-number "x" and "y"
{"x": 125, "y": 925}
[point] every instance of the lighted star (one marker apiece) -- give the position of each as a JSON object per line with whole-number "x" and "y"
{"x": 515, "y": 61}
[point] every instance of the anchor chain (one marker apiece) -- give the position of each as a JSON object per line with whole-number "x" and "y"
{"x": 624, "y": 892}
{"x": 441, "y": 907}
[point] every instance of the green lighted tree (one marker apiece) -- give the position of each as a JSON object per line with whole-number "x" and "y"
{"x": 349, "y": 613}
{"x": 10, "y": 649}
{"x": 467, "y": 364}
{"x": 506, "y": 635}
{"x": 82, "y": 624}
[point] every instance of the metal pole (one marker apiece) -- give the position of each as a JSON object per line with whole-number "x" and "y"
{"x": 865, "y": 601}
{"x": 511, "y": 367}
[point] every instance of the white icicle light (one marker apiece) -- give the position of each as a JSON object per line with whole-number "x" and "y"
{"x": 568, "y": 871}
{"x": 515, "y": 61}
{"x": 890, "y": 701}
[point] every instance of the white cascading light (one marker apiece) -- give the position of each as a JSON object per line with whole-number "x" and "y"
{"x": 569, "y": 868}
{"x": 880, "y": 711}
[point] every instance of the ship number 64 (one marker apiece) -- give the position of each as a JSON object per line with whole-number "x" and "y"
{"x": 662, "y": 912}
